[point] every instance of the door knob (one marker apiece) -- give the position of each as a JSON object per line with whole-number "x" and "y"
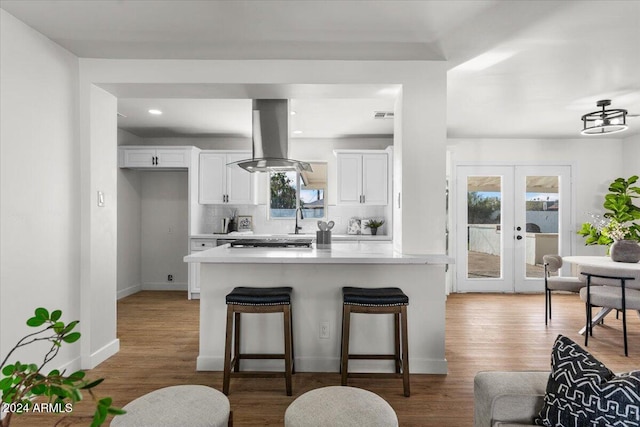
{"x": 519, "y": 237}
{"x": 519, "y": 228}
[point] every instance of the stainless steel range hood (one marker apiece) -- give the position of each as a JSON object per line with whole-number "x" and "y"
{"x": 271, "y": 139}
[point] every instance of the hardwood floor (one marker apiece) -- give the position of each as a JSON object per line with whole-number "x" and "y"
{"x": 158, "y": 334}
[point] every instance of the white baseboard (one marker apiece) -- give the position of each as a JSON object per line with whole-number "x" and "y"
{"x": 128, "y": 291}
{"x": 209, "y": 363}
{"x": 102, "y": 354}
{"x": 164, "y": 286}
{"x": 71, "y": 366}
{"x": 329, "y": 364}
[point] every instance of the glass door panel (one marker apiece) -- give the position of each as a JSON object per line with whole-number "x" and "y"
{"x": 541, "y": 227}
{"x": 484, "y": 244}
{"x": 541, "y": 210}
{"x": 484, "y": 256}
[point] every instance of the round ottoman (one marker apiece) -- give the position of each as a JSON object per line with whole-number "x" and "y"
{"x": 181, "y": 405}
{"x": 339, "y": 406}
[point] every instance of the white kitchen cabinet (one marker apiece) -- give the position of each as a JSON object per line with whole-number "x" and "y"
{"x": 154, "y": 157}
{"x": 363, "y": 178}
{"x": 197, "y": 245}
{"x": 221, "y": 184}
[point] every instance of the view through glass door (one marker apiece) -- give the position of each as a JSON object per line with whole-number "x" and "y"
{"x": 508, "y": 217}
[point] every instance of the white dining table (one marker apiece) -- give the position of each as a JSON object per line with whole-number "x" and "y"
{"x": 605, "y": 265}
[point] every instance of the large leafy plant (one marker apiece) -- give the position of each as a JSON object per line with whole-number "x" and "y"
{"x": 621, "y": 221}
{"x": 24, "y": 386}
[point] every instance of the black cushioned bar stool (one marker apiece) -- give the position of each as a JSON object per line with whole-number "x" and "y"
{"x": 377, "y": 301}
{"x": 257, "y": 300}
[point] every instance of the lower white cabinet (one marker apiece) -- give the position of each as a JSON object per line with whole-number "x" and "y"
{"x": 197, "y": 245}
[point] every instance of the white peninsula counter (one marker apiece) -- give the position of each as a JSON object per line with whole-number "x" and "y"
{"x": 317, "y": 277}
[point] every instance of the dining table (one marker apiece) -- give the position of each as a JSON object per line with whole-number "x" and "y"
{"x": 604, "y": 265}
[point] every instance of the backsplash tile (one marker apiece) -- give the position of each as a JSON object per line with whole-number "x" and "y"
{"x": 261, "y": 225}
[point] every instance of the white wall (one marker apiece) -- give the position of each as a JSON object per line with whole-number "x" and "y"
{"x": 631, "y": 155}
{"x": 129, "y": 227}
{"x": 164, "y": 236}
{"x": 39, "y": 185}
{"x": 98, "y": 242}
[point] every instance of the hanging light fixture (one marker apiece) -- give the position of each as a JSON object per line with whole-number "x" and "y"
{"x": 604, "y": 121}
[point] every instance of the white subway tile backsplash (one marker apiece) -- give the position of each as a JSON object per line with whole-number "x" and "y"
{"x": 339, "y": 214}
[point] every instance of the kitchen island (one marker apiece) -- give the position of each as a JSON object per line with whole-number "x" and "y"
{"x": 317, "y": 277}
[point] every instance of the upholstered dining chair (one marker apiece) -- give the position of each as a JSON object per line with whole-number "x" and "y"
{"x": 553, "y": 263}
{"x": 620, "y": 292}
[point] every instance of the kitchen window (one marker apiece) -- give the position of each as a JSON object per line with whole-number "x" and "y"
{"x": 292, "y": 190}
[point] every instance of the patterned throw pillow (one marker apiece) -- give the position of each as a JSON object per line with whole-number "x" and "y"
{"x": 583, "y": 392}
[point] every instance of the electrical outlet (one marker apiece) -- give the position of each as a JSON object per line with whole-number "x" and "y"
{"x": 324, "y": 330}
{"x": 170, "y": 278}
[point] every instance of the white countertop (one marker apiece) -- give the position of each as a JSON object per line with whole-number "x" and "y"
{"x": 340, "y": 253}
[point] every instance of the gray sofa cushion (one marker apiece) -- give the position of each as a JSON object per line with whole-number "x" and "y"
{"x": 510, "y": 398}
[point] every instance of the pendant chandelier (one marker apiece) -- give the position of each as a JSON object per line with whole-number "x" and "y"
{"x": 604, "y": 121}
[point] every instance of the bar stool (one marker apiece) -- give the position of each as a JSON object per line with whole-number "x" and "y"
{"x": 257, "y": 300}
{"x": 377, "y": 301}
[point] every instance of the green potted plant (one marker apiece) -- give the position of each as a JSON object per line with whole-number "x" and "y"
{"x": 22, "y": 384}
{"x": 621, "y": 221}
{"x": 374, "y": 224}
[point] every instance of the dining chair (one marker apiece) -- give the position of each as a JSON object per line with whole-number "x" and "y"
{"x": 610, "y": 292}
{"x": 553, "y": 263}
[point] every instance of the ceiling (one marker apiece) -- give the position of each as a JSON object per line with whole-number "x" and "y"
{"x": 552, "y": 60}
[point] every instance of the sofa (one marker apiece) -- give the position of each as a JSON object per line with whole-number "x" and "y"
{"x": 508, "y": 399}
{"x": 579, "y": 390}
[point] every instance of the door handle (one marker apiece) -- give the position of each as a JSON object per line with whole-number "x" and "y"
{"x": 519, "y": 237}
{"x": 519, "y": 228}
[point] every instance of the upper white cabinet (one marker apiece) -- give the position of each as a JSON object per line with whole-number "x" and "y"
{"x": 222, "y": 184}
{"x": 153, "y": 157}
{"x": 363, "y": 178}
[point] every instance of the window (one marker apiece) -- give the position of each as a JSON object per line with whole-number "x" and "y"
{"x": 290, "y": 190}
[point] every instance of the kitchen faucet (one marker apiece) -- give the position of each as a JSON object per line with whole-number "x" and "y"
{"x": 296, "y": 229}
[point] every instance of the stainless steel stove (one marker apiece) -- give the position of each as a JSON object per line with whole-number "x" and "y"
{"x": 271, "y": 243}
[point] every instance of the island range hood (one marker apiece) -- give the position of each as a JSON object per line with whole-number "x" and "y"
{"x": 271, "y": 139}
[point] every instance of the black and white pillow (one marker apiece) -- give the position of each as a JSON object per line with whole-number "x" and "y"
{"x": 583, "y": 392}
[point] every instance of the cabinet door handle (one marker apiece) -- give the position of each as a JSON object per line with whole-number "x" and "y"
{"x": 157, "y": 163}
{"x": 364, "y": 198}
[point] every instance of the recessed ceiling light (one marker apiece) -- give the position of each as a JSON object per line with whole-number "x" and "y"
{"x": 297, "y": 132}
{"x": 155, "y": 112}
{"x": 293, "y": 113}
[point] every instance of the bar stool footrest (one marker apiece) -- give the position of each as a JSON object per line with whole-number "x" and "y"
{"x": 373, "y": 357}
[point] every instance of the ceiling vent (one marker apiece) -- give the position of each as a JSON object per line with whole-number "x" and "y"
{"x": 383, "y": 114}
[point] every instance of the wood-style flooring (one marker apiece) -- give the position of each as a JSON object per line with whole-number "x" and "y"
{"x": 158, "y": 334}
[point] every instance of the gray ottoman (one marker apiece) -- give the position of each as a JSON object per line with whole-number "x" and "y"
{"x": 340, "y": 406}
{"x": 181, "y": 405}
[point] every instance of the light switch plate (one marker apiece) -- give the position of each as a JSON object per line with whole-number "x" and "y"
{"x": 100, "y": 199}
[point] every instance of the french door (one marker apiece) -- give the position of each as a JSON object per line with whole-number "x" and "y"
{"x": 507, "y": 218}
